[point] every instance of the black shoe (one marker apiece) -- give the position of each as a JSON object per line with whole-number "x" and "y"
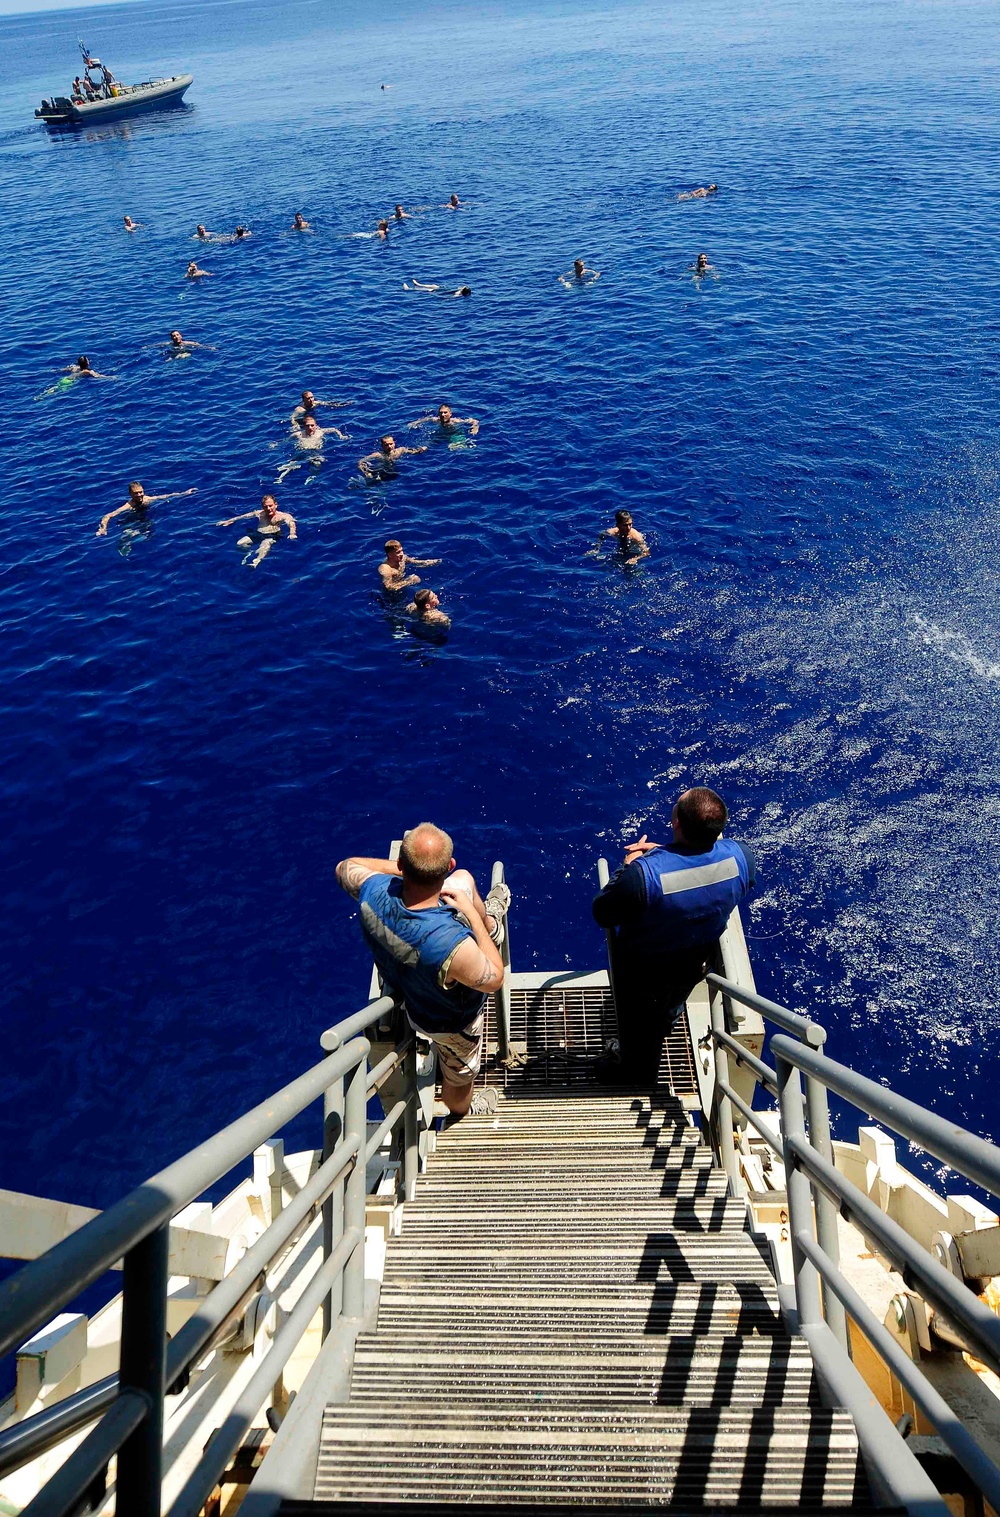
{"x": 609, "y": 1070}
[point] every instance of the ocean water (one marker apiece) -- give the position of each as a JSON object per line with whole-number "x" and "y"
{"x": 808, "y": 439}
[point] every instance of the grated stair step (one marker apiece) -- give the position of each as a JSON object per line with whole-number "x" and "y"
{"x": 576, "y": 1317}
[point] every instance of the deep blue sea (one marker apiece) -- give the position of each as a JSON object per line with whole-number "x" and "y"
{"x": 808, "y": 438}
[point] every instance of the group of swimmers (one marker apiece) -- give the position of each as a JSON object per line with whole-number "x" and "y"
{"x": 577, "y": 275}
{"x": 309, "y": 436}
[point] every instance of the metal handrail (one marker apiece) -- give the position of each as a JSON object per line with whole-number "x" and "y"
{"x": 765, "y": 1074}
{"x": 129, "y": 1406}
{"x": 803, "y": 1027}
{"x": 972, "y": 1156}
{"x": 933, "y": 1405}
{"x": 722, "y": 991}
{"x": 811, "y": 1176}
{"x": 28, "y": 1298}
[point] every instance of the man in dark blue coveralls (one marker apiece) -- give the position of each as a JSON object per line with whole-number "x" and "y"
{"x": 669, "y": 905}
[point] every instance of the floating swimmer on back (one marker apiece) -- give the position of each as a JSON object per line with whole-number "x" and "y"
{"x": 309, "y": 437}
{"x": 437, "y": 289}
{"x": 183, "y": 347}
{"x": 269, "y": 524}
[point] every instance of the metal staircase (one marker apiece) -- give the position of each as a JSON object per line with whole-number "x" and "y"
{"x": 576, "y": 1314}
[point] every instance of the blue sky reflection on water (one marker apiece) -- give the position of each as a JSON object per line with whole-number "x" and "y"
{"x": 808, "y": 441}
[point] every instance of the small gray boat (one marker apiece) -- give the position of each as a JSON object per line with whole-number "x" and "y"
{"x": 97, "y": 95}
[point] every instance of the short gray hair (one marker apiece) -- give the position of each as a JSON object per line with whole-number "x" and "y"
{"x": 425, "y": 854}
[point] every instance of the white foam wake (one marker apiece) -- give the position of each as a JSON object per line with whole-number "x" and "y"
{"x": 954, "y": 645}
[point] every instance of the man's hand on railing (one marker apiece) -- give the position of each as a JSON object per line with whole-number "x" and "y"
{"x": 635, "y": 850}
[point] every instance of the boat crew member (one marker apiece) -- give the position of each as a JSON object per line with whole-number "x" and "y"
{"x": 669, "y": 905}
{"x": 425, "y": 607}
{"x": 138, "y": 504}
{"x": 434, "y": 942}
{"x": 300, "y": 224}
{"x": 579, "y": 274}
{"x": 193, "y": 272}
{"x": 310, "y": 403}
{"x": 393, "y": 573}
{"x": 630, "y": 543}
{"x": 446, "y": 421}
{"x": 380, "y": 465}
{"x": 269, "y": 524}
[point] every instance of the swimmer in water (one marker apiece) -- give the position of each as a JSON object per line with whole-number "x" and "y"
{"x": 579, "y": 274}
{"x": 436, "y": 289}
{"x": 424, "y": 606}
{"x": 193, "y": 272}
{"x": 700, "y": 194}
{"x": 382, "y": 230}
{"x": 132, "y": 226}
{"x": 138, "y": 505}
{"x": 180, "y": 347}
{"x": 630, "y": 544}
{"x": 702, "y": 266}
{"x": 82, "y": 370}
{"x": 71, "y": 374}
{"x": 380, "y": 465}
{"x": 309, "y": 438}
{"x": 393, "y": 573}
{"x": 269, "y": 524}
{"x": 300, "y": 224}
{"x": 310, "y": 404}
{"x": 453, "y": 204}
{"x": 203, "y": 235}
{"x": 241, "y": 233}
{"x": 446, "y": 421}
{"x": 399, "y": 214}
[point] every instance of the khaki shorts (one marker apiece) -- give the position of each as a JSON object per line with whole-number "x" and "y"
{"x": 459, "y": 1053}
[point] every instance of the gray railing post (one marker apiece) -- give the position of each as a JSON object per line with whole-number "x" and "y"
{"x": 799, "y": 1191}
{"x": 603, "y": 876}
{"x": 411, "y": 1126}
{"x": 503, "y": 994}
{"x": 142, "y": 1368}
{"x": 333, "y": 1206}
{"x": 723, "y": 1105}
{"x": 818, "y": 1112}
{"x": 356, "y": 1123}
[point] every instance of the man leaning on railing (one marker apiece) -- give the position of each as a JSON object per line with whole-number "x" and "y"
{"x": 670, "y": 904}
{"x": 434, "y": 941}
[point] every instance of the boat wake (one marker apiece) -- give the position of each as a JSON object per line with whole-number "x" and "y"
{"x": 954, "y": 645}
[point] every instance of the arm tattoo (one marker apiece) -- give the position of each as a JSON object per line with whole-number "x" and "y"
{"x": 352, "y": 876}
{"x": 486, "y": 973}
